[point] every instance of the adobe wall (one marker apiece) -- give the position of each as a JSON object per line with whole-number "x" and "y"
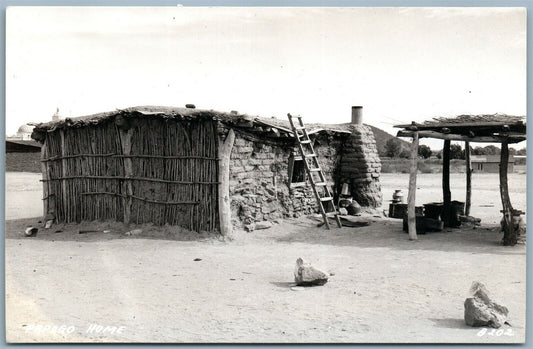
{"x": 23, "y": 162}
{"x": 361, "y": 166}
{"x": 259, "y": 179}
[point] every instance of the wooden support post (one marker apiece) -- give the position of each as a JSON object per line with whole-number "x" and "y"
{"x": 125, "y": 141}
{"x": 468, "y": 179}
{"x": 64, "y": 172}
{"x": 446, "y": 193}
{"x": 46, "y": 182}
{"x": 509, "y": 233}
{"x": 224, "y": 201}
{"x": 411, "y": 198}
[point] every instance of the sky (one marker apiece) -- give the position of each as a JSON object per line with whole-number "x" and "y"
{"x": 400, "y": 64}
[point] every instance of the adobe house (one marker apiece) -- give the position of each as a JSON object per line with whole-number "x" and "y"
{"x": 200, "y": 169}
{"x": 489, "y": 163}
{"x": 22, "y": 155}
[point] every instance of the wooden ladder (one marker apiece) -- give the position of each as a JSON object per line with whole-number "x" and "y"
{"x": 312, "y": 167}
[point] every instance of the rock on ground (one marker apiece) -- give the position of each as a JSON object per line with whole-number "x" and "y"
{"x": 263, "y": 225}
{"x": 306, "y": 275}
{"x": 480, "y": 310}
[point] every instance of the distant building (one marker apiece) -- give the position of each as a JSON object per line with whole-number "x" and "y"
{"x": 520, "y": 164}
{"x": 56, "y": 117}
{"x": 23, "y": 155}
{"x": 22, "y": 146}
{"x": 519, "y": 159}
{"x": 23, "y": 134}
{"x": 490, "y": 163}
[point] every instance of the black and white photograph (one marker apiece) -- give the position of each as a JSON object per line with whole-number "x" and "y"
{"x": 265, "y": 174}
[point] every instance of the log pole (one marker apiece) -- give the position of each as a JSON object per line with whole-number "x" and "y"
{"x": 446, "y": 193}
{"x": 509, "y": 233}
{"x": 64, "y": 172}
{"x": 224, "y": 202}
{"x": 411, "y": 198}
{"x": 125, "y": 141}
{"x": 468, "y": 179}
{"x": 46, "y": 184}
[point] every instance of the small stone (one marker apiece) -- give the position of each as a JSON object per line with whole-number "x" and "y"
{"x": 249, "y": 227}
{"x": 306, "y": 275}
{"x": 134, "y": 232}
{"x": 263, "y": 225}
{"x": 343, "y": 211}
{"x": 31, "y": 231}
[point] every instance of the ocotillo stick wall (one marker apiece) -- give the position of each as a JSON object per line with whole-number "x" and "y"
{"x": 162, "y": 171}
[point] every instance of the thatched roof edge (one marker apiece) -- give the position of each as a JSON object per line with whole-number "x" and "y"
{"x": 251, "y": 123}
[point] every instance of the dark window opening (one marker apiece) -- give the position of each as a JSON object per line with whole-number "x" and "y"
{"x": 298, "y": 172}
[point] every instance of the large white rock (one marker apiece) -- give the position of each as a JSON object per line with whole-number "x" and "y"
{"x": 480, "y": 310}
{"x": 306, "y": 275}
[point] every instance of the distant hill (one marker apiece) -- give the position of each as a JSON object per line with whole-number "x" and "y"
{"x": 382, "y": 137}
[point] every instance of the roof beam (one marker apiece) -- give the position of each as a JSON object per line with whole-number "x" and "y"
{"x": 462, "y": 124}
{"x": 457, "y": 137}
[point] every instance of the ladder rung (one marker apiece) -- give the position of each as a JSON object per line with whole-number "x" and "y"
{"x": 307, "y": 141}
{"x": 299, "y": 127}
{"x": 321, "y": 184}
{"x": 332, "y": 214}
{"x": 326, "y": 198}
{"x": 299, "y": 158}
{"x": 315, "y": 169}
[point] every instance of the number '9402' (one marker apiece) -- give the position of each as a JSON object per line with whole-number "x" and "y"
{"x": 495, "y": 332}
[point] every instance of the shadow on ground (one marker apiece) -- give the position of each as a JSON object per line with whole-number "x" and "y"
{"x": 451, "y": 323}
{"x": 283, "y": 284}
{"x": 388, "y": 233}
{"x": 101, "y": 231}
{"x": 381, "y": 233}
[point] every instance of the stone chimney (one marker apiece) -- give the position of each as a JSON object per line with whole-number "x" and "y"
{"x": 357, "y": 115}
{"x": 360, "y": 166}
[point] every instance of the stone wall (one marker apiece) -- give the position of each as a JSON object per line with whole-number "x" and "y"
{"x": 259, "y": 179}
{"x": 361, "y": 166}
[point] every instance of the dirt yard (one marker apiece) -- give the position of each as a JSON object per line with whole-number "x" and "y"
{"x": 384, "y": 288}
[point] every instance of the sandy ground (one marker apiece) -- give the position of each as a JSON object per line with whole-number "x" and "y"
{"x": 23, "y": 195}
{"x": 384, "y": 288}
